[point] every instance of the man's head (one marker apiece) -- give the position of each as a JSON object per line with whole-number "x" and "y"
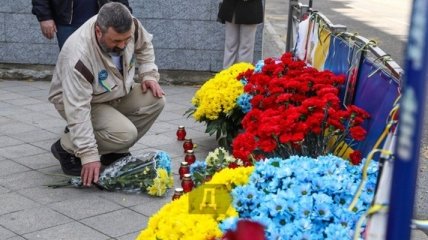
{"x": 113, "y": 28}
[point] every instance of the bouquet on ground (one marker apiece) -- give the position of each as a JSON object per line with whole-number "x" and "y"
{"x": 296, "y": 110}
{"x": 216, "y": 160}
{"x": 215, "y": 103}
{"x": 149, "y": 173}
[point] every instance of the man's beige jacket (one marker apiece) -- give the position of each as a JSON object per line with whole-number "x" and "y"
{"x": 84, "y": 74}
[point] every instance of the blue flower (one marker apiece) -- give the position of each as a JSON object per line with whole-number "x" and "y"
{"x": 337, "y": 232}
{"x": 244, "y": 102}
{"x": 257, "y": 179}
{"x": 333, "y": 184}
{"x": 287, "y": 183}
{"x": 306, "y": 205}
{"x": 304, "y": 189}
{"x": 228, "y": 224}
{"x": 281, "y": 220}
{"x": 344, "y": 217}
{"x": 304, "y": 198}
{"x": 322, "y": 198}
{"x": 198, "y": 172}
{"x": 276, "y": 205}
{"x": 322, "y": 211}
{"x": 288, "y": 231}
{"x": 304, "y": 224}
{"x": 198, "y": 166}
{"x": 163, "y": 161}
{"x": 273, "y": 231}
{"x": 259, "y": 66}
{"x": 303, "y": 235}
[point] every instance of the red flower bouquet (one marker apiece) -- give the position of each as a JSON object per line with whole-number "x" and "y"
{"x": 296, "y": 111}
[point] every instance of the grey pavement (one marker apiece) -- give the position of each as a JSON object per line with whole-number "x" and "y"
{"x": 30, "y": 210}
{"x": 28, "y": 127}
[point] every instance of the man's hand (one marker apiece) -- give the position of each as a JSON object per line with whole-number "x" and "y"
{"x": 90, "y": 173}
{"x": 153, "y": 86}
{"x": 48, "y": 28}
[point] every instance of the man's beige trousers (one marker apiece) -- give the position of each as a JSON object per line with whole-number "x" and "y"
{"x": 119, "y": 124}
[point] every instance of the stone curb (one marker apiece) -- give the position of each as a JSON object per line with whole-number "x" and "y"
{"x": 44, "y": 73}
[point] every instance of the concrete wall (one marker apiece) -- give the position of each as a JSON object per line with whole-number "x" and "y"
{"x": 186, "y": 35}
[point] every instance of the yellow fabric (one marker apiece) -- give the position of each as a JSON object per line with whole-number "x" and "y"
{"x": 321, "y": 50}
{"x": 343, "y": 150}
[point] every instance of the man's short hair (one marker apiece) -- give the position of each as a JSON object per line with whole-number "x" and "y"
{"x": 115, "y": 15}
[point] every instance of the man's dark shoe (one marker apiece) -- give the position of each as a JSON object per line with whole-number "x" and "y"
{"x": 110, "y": 158}
{"x": 70, "y": 164}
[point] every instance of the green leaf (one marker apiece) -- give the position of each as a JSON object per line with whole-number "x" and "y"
{"x": 275, "y": 164}
{"x": 224, "y": 127}
{"x": 218, "y": 135}
{"x": 222, "y": 142}
{"x": 189, "y": 112}
{"x": 212, "y": 127}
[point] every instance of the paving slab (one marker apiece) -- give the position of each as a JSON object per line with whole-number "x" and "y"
{"x": 87, "y": 205}
{"x": 117, "y": 223}
{"x": 70, "y": 231}
{"x": 5, "y": 233}
{"x": 38, "y": 161}
{"x": 12, "y": 202}
{"x": 34, "y": 219}
{"x": 6, "y": 141}
{"x": 9, "y": 167}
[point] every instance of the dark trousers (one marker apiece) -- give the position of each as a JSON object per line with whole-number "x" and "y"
{"x": 63, "y": 32}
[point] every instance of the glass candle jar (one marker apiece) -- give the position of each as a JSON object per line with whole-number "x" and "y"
{"x": 190, "y": 157}
{"x": 177, "y": 193}
{"x": 187, "y": 145}
{"x": 184, "y": 169}
{"x": 181, "y": 133}
{"x": 187, "y": 183}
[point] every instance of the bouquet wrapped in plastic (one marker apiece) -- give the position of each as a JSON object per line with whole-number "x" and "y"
{"x": 149, "y": 173}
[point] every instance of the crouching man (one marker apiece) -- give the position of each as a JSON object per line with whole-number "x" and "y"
{"x": 94, "y": 91}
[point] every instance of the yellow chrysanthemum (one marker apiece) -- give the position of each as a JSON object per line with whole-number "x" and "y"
{"x": 218, "y": 95}
{"x": 174, "y": 222}
{"x": 161, "y": 183}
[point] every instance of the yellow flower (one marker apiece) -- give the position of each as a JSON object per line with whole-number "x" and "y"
{"x": 173, "y": 221}
{"x": 161, "y": 183}
{"x": 218, "y": 95}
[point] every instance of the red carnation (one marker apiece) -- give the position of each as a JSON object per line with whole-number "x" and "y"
{"x": 233, "y": 165}
{"x": 267, "y": 144}
{"x": 356, "y": 157}
{"x": 243, "y": 145}
{"x": 246, "y": 230}
{"x": 358, "y": 133}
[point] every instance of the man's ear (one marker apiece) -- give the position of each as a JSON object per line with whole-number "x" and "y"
{"x": 98, "y": 31}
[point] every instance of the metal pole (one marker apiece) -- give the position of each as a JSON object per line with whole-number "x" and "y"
{"x": 289, "y": 42}
{"x": 410, "y": 126}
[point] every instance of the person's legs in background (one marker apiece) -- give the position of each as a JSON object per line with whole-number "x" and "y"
{"x": 63, "y": 32}
{"x": 247, "y": 36}
{"x": 231, "y": 44}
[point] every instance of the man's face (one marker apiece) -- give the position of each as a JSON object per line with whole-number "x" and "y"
{"x": 111, "y": 41}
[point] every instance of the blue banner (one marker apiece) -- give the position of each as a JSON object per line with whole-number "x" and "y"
{"x": 410, "y": 126}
